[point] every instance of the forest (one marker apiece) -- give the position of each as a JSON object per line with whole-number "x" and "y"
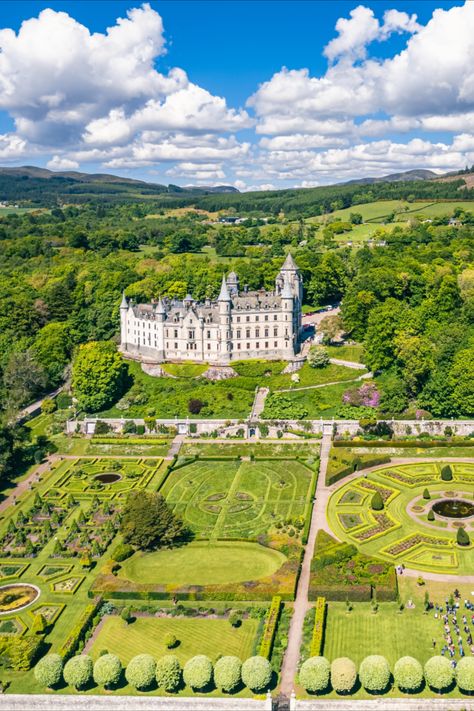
{"x": 410, "y": 302}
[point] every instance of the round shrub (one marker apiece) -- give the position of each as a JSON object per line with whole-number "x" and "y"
{"x": 77, "y": 671}
{"x": 168, "y": 672}
{"x": 343, "y": 675}
{"x": 49, "y": 670}
{"x": 228, "y": 673}
{"x": 374, "y": 673}
{"x": 197, "y": 672}
{"x": 408, "y": 674}
{"x": 465, "y": 674}
{"x": 439, "y": 673}
{"x": 256, "y": 673}
{"x": 446, "y": 473}
{"x": 107, "y": 670}
{"x": 171, "y": 641}
{"x": 462, "y": 537}
{"x": 314, "y": 674}
{"x": 140, "y": 671}
{"x": 377, "y": 502}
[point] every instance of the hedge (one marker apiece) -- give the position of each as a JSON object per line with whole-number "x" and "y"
{"x": 271, "y": 624}
{"x": 308, "y": 517}
{"x": 340, "y": 593}
{"x": 356, "y": 465}
{"x": 318, "y": 629}
{"x": 408, "y": 443}
{"x": 77, "y": 633}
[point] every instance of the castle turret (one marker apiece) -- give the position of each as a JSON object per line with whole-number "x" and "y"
{"x": 123, "y": 322}
{"x": 287, "y": 307}
{"x": 225, "y": 304}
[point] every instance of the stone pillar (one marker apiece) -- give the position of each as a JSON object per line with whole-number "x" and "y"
{"x": 268, "y": 702}
{"x": 293, "y": 701}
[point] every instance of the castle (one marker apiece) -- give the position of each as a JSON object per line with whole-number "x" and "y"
{"x": 239, "y": 325}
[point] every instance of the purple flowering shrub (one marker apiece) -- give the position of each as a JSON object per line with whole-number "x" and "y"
{"x": 366, "y": 395}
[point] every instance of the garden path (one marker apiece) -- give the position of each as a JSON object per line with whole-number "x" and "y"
{"x": 175, "y": 447}
{"x": 25, "y": 485}
{"x": 259, "y": 403}
{"x": 302, "y": 604}
{"x": 325, "y": 385}
{"x": 347, "y": 363}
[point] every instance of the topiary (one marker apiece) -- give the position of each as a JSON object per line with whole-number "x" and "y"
{"x": 197, "y": 672}
{"x": 140, "y": 671}
{"x": 465, "y": 674}
{"x": 318, "y": 357}
{"x": 314, "y": 674}
{"x": 408, "y": 674}
{"x": 374, "y": 673}
{"x": 228, "y": 673}
{"x": 439, "y": 673}
{"x": 426, "y": 494}
{"x": 446, "y": 473}
{"x": 462, "y": 537}
{"x": 343, "y": 675}
{"x": 77, "y": 671}
{"x": 107, "y": 670}
{"x": 168, "y": 672}
{"x": 256, "y": 673}
{"x": 122, "y": 551}
{"x": 431, "y": 516}
{"x": 377, "y": 502}
{"x": 171, "y": 641}
{"x": 48, "y": 671}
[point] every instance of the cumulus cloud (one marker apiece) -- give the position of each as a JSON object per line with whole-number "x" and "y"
{"x": 61, "y": 163}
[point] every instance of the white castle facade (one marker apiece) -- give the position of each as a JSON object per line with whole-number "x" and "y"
{"x": 239, "y": 325}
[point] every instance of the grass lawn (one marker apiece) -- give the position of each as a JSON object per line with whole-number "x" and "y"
{"x": 259, "y": 448}
{"x": 320, "y": 402}
{"x": 353, "y": 353}
{"x": 184, "y": 370}
{"x": 197, "y": 636}
{"x": 390, "y": 633}
{"x": 313, "y": 376}
{"x": 203, "y": 564}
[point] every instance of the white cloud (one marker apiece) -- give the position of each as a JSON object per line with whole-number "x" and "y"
{"x": 61, "y": 163}
{"x": 12, "y": 146}
{"x": 354, "y": 34}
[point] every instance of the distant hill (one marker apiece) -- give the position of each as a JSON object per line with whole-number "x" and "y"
{"x": 418, "y": 174}
{"x": 41, "y": 186}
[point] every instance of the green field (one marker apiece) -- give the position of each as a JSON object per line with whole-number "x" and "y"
{"x": 401, "y": 532}
{"x": 258, "y": 448}
{"x": 361, "y": 632}
{"x": 197, "y": 636}
{"x": 353, "y": 353}
{"x": 377, "y": 211}
{"x": 203, "y": 564}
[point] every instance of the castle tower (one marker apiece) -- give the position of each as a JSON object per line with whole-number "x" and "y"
{"x": 288, "y": 308}
{"x": 233, "y": 283}
{"x": 290, "y": 271}
{"x": 123, "y": 322}
{"x": 225, "y": 304}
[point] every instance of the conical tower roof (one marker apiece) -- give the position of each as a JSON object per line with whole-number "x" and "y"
{"x": 160, "y": 307}
{"x": 224, "y": 292}
{"x": 289, "y": 264}
{"x": 124, "y": 302}
{"x": 286, "y": 292}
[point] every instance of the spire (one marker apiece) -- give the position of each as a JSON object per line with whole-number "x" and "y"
{"x": 224, "y": 292}
{"x": 286, "y": 291}
{"x": 289, "y": 264}
{"x": 160, "y": 307}
{"x": 124, "y": 302}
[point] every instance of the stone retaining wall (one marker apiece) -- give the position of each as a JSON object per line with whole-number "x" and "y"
{"x": 79, "y": 702}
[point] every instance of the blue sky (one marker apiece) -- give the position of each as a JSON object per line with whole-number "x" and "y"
{"x": 254, "y": 94}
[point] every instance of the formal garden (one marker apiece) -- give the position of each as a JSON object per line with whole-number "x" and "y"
{"x": 418, "y": 514}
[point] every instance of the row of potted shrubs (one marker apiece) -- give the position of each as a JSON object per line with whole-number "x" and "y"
{"x": 143, "y": 671}
{"x": 317, "y": 674}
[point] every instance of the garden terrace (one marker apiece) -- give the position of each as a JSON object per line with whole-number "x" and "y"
{"x": 403, "y": 531}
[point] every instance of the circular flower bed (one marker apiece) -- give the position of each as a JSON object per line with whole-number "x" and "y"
{"x": 17, "y": 596}
{"x": 454, "y": 508}
{"x": 108, "y": 477}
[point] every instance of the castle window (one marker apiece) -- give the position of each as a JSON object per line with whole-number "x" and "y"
{"x": 166, "y": 333}
{"x": 176, "y": 333}
{"x": 275, "y": 344}
{"x": 248, "y": 346}
{"x": 275, "y": 331}
{"x": 238, "y": 333}
{"x": 238, "y": 319}
{"x": 176, "y": 346}
{"x": 208, "y": 346}
{"x": 266, "y": 317}
{"x": 257, "y": 333}
{"x": 256, "y": 318}
{"x": 257, "y": 345}
{"x": 247, "y": 332}
{"x": 167, "y": 345}
{"x": 247, "y": 318}
{"x": 275, "y": 318}
{"x": 208, "y": 334}
{"x": 266, "y": 344}
{"x": 238, "y": 346}
{"x": 191, "y": 335}
{"x": 266, "y": 332}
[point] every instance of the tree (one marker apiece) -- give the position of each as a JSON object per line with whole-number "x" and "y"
{"x": 426, "y": 494}
{"x": 228, "y": 673}
{"x": 48, "y": 671}
{"x": 330, "y": 327}
{"x": 78, "y": 671}
{"x": 431, "y": 516}
{"x": 107, "y": 670}
{"x": 377, "y": 502}
{"x": 446, "y": 473}
{"x": 126, "y": 615}
{"x": 343, "y": 675}
{"x": 356, "y": 218}
{"x": 148, "y": 522}
{"x": 439, "y": 673}
{"x": 168, "y": 673}
{"x": 256, "y": 673}
{"x": 461, "y": 381}
{"x": 462, "y": 537}
{"x": 98, "y": 375}
{"x": 52, "y": 349}
{"x": 141, "y": 671}
{"x": 171, "y": 641}
{"x": 314, "y": 674}
{"x": 408, "y": 674}
{"x": 465, "y": 674}
{"x": 374, "y": 673}
{"x": 318, "y": 357}
{"x": 39, "y": 624}
{"x": 23, "y": 379}
{"x": 48, "y": 406}
{"x": 195, "y": 406}
{"x": 197, "y": 672}
{"x": 415, "y": 357}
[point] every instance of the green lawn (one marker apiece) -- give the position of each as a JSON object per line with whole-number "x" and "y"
{"x": 258, "y": 448}
{"x": 184, "y": 370}
{"x": 203, "y": 564}
{"x": 321, "y": 402}
{"x": 313, "y": 376}
{"x": 197, "y": 636}
{"x": 390, "y": 633}
{"x": 353, "y": 353}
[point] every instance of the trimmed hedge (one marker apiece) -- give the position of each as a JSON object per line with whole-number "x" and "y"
{"x": 355, "y": 465}
{"x": 318, "y": 629}
{"x": 271, "y": 624}
{"x": 77, "y": 633}
{"x": 408, "y": 443}
{"x": 312, "y": 492}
